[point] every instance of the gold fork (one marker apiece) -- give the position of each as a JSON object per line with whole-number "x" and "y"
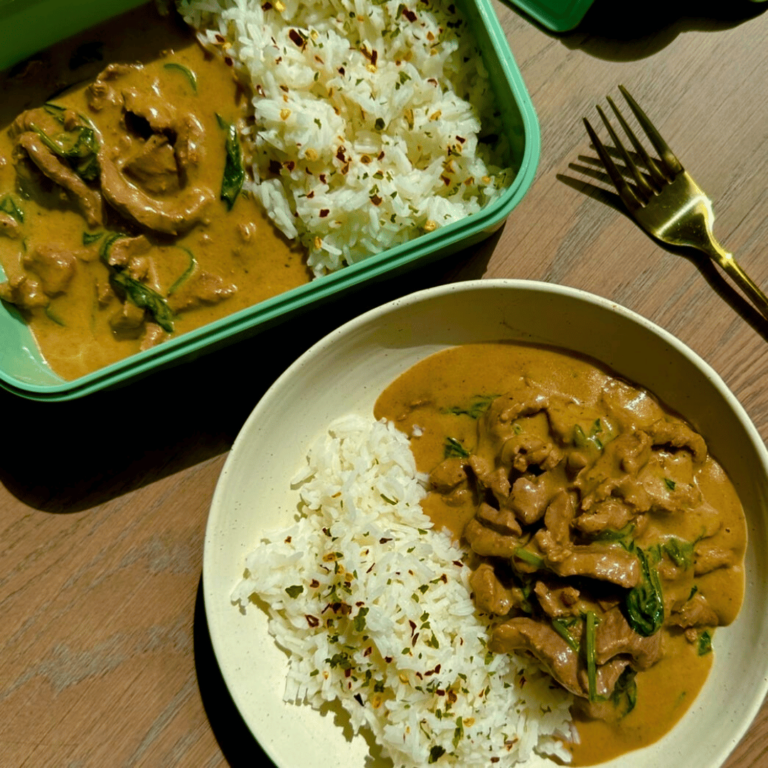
{"x": 665, "y": 200}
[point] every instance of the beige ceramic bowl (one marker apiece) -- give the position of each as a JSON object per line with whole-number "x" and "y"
{"x": 347, "y": 370}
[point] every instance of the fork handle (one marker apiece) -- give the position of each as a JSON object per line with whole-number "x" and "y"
{"x": 743, "y": 280}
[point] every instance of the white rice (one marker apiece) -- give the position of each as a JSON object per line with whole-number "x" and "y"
{"x": 368, "y": 118}
{"x": 375, "y": 609}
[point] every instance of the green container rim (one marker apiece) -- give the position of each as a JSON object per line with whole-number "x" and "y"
{"x": 441, "y": 242}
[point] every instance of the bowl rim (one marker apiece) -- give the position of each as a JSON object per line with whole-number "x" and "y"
{"x": 379, "y": 314}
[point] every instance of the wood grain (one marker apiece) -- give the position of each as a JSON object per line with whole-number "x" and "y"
{"x": 103, "y": 502}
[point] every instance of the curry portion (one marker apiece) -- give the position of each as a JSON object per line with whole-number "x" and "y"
{"x": 123, "y": 217}
{"x": 605, "y": 539}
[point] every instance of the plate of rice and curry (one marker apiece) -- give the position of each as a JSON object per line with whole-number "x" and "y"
{"x": 532, "y": 536}
{"x": 226, "y": 164}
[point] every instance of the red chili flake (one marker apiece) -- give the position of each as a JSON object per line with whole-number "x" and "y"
{"x": 432, "y": 81}
{"x": 374, "y": 57}
{"x": 388, "y": 659}
{"x": 342, "y": 71}
{"x": 376, "y": 200}
{"x": 445, "y": 181}
{"x": 260, "y": 90}
{"x": 312, "y": 621}
{"x": 220, "y": 39}
{"x": 287, "y": 539}
{"x": 341, "y": 155}
{"x": 438, "y": 667}
{"x": 457, "y": 563}
{"x": 319, "y": 60}
{"x": 409, "y": 14}
{"x": 380, "y": 156}
{"x": 284, "y": 88}
{"x": 440, "y": 692}
{"x": 371, "y": 568}
{"x": 228, "y": 61}
{"x": 384, "y": 541}
{"x": 347, "y": 672}
{"x": 495, "y": 759}
{"x": 275, "y": 166}
{"x": 266, "y": 7}
{"x": 297, "y": 39}
{"x": 290, "y": 165}
{"x": 323, "y": 178}
{"x": 415, "y": 638}
{"x": 461, "y": 139}
{"x": 359, "y": 699}
{"x": 314, "y": 583}
{"x": 413, "y": 626}
{"x": 368, "y": 651}
{"x": 452, "y": 697}
{"x": 311, "y": 194}
{"x": 324, "y": 212}
{"x": 420, "y": 676}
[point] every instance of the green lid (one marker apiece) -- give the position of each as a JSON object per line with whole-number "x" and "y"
{"x": 557, "y": 15}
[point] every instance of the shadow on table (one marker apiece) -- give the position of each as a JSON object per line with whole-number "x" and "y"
{"x": 618, "y": 31}
{"x": 591, "y": 169}
{"x": 235, "y": 739}
{"x": 71, "y": 456}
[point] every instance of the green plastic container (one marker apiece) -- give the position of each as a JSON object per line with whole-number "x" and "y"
{"x": 557, "y": 15}
{"x": 27, "y": 26}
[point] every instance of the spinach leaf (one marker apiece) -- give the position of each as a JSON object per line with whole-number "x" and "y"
{"x": 610, "y": 534}
{"x": 187, "y": 272}
{"x": 188, "y": 73}
{"x": 584, "y": 440}
{"x": 680, "y": 552}
{"x": 454, "y": 449}
{"x": 140, "y": 294}
{"x": 529, "y": 557}
{"x": 705, "y": 643}
{"x": 478, "y": 406}
{"x": 78, "y": 146}
{"x": 561, "y": 626}
{"x": 234, "y": 171}
{"x": 92, "y": 237}
{"x": 8, "y": 205}
{"x": 590, "y": 634}
{"x": 145, "y": 298}
{"x": 624, "y": 694}
{"x": 644, "y": 605}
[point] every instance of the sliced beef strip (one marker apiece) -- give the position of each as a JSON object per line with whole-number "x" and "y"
{"x": 539, "y": 639}
{"x": 491, "y": 595}
{"x": 202, "y": 289}
{"x": 614, "y": 637}
{"x": 9, "y": 227}
{"x": 558, "y": 600}
{"x": 696, "y": 612}
{"x": 488, "y": 543}
{"x": 87, "y": 200}
{"x": 500, "y": 520}
{"x": 676, "y": 434}
{"x": 55, "y": 267}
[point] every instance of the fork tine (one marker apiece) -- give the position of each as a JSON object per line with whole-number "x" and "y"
{"x": 628, "y": 161}
{"x": 650, "y": 163}
{"x": 627, "y": 194}
{"x": 667, "y": 155}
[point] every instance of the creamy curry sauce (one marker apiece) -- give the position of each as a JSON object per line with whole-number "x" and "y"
{"x": 122, "y": 220}
{"x": 562, "y": 489}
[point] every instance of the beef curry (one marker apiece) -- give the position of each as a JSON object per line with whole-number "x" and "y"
{"x": 605, "y": 540}
{"x": 124, "y": 213}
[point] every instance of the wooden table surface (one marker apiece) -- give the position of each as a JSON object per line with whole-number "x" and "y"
{"x": 103, "y": 502}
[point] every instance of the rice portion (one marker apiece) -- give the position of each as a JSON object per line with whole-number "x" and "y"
{"x": 374, "y": 608}
{"x": 369, "y": 118}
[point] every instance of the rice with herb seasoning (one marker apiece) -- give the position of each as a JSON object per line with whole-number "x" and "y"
{"x": 375, "y": 121}
{"x": 374, "y": 608}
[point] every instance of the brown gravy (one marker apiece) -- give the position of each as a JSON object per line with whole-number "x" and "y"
{"x": 444, "y": 397}
{"x": 239, "y": 256}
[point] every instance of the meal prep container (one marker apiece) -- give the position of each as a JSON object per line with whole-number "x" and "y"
{"x": 27, "y": 26}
